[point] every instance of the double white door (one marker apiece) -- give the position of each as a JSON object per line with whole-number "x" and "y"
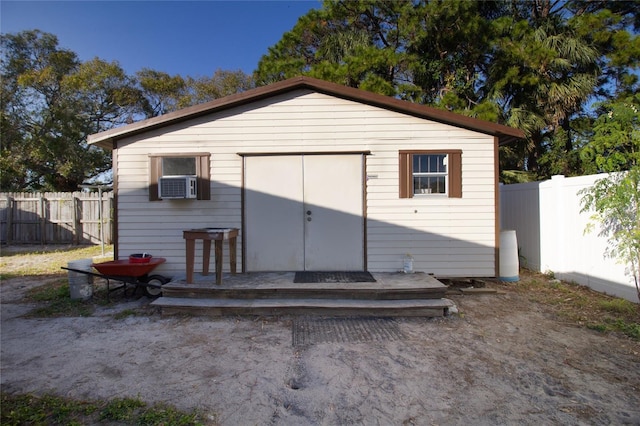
{"x": 304, "y": 212}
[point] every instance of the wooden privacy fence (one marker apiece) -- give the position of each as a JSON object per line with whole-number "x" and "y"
{"x": 56, "y": 218}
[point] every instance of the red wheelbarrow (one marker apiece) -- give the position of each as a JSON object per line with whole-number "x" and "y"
{"x": 129, "y": 272}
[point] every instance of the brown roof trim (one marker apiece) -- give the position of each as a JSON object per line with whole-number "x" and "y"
{"x": 506, "y": 134}
{"x": 278, "y": 153}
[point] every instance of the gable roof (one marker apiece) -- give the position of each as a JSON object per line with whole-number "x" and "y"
{"x": 505, "y": 134}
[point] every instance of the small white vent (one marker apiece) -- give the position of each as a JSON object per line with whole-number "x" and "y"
{"x": 177, "y": 187}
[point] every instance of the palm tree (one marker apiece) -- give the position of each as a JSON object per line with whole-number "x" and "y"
{"x": 543, "y": 75}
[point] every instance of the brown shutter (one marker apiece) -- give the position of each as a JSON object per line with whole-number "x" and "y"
{"x": 405, "y": 178}
{"x": 204, "y": 177}
{"x": 455, "y": 174}
{"x": 154, "y": 175}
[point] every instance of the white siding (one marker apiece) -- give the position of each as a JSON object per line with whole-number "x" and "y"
{"x": 446, "y": 236}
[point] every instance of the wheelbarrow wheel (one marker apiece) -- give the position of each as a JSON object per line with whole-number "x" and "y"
{"x": 156, "y": 280}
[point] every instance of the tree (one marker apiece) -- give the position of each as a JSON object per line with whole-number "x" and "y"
{"x": 106, "y": 96}
{"x": 534, "y": 64}
{"x": 162, "y": 92}
{"x": 449, "y": 44}
{"x": 615, "y": 199}
{"x": 354, "y": 43}
{"x": 221, "y": 83}
{"x": 544, "y": 74}
{"x": 51, "y": 101}
{"x": 44, "y": 134}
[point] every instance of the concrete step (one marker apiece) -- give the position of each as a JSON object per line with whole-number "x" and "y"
{"x": 308, "y": 293}
{"x": 305, "y": 306}
{"x": 283, "y": 290}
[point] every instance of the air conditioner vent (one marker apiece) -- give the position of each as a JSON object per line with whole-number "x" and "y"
{"x": 176, "y": 187}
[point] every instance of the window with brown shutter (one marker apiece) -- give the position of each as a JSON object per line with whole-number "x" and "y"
{"x": 427, "y": 173}
{"x": 184, "y": 164}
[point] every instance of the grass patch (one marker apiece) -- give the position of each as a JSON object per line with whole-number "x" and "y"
{"x": 43, "y": 264}
{"x": 45, "y": 410}
{"x": 619, "y": 306}
{"x": 629, "y": 329}
{"x": 121, "y": 409}
{"x": 55, "y": 300}
{"x": 125, "y": 314}
{"x": 579, "y": 304}
{"x": 36, "y": 261}
{"x": 52, "y": 410}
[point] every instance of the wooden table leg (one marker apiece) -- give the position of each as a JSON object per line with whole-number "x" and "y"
{"x": 218, "y": 253}
{"x": 232, "y": 254}
{"x": 191, "y": 248}
{"x": 206, "y": 254}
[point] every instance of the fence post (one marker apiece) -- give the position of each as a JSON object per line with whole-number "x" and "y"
{"x": 558, "y": 183}
{"x": 110, "y": 216}
{"x": 74, "y": 214}
{"x": 43, "y": 221}
{"x": 10, "y": 204}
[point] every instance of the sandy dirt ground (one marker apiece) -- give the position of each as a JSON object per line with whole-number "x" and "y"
{"x": 503, "y": 360}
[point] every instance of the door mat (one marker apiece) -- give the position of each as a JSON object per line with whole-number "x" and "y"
{"x": 310, "y": 330}
{"x": 334, "y": 277}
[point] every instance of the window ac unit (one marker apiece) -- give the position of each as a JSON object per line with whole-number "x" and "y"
{"x": 176, "y": 187}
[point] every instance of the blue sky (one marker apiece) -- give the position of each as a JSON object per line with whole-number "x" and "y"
{"x": 190, "y": 38}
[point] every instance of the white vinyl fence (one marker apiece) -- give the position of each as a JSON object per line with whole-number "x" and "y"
{"x": 550, "y": 233}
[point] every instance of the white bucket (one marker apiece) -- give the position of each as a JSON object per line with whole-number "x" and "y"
{"x": 80, "y": 285}
{"x": 407, "y": 264}
{"x": 509, "y": 265}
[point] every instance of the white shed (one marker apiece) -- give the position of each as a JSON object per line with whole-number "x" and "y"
{"x": 316, "y": 176}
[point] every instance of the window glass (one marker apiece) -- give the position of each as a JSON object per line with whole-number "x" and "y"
{"x": 429, "y": 174}
{"x": 429, "y": 185}
{"x": 178, "y": 166}
{"x": 432, "y": 163}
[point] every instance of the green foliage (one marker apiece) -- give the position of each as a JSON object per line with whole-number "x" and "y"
{"x": 619, "y": 306}
{"x": 55, "y": 301}
{"x": 629, "y": 329}
{"x": 126, "y": 313}
{"x": 532, "y": 65}
{"x": 48, "y": 293}
{"x": 121, "y": 409}
{"x": 516, "y": 176}
{"x": 581, "y": 305}
{"x": 45, "y": 410}
{"x": 51, "y": 102}
{"x": 162, "y": 92}
{"x": 45, "y": 116}
{"x": 615, "y": 145}
{"x": 163, "y": 414}
{"x": 41, "y": 262}
{"x": 536, "y": 66}
{"x": 615, "y": 199}
{"x": 354, "y": 43}
{"x": 53, "y": 410}
{"x": 222, "y": 83}
{"x": 557, "y": 159}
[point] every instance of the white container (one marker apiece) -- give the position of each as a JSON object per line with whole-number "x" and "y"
{"x": 80, "y": 285}
{"x": 407, "y": 264}
{"x": 509, "y": 264}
